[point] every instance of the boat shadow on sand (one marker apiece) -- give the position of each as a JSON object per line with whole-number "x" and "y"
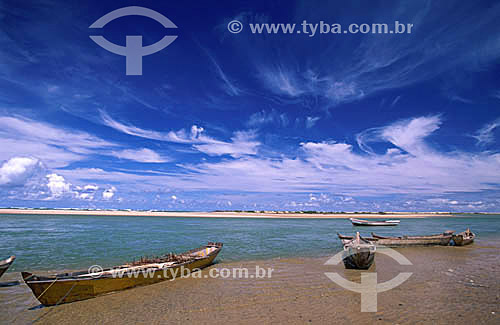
{"x": 40, "y": 306}
{"x": 9, "y": 284}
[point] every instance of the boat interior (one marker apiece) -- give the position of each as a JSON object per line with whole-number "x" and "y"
{"x": 158, "y": 262}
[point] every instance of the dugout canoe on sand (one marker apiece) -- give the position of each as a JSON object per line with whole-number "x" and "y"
{"x": 464, "y": 238}
{"x": 5, "y": 264}
{"x": 345, "y": 239}
{"x": 428, "y": 240}
{"x": 69, "y": 287}
{"x": 358, "y": 253}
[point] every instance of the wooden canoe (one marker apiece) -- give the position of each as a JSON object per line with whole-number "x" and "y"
{"x": 346, "y": 239}
{"x": 69, "y": 287}
{"x": 464, "y": 238}
{"x": 428, "y": 240}
{"x": 440, "y": 239}
{"x": 5, "y": 264}
{"x": 358, "y": 253}
{"x": 360, "y": 222}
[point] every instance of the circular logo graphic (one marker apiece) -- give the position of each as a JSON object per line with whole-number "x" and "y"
{"x": 95, "y": 271}
{"x": 235, "y": 26}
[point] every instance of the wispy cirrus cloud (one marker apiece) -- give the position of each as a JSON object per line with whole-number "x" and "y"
{"x": 281, "y": 80}
{"x": 182, "y": 136}
{"x": 227, "y": 85}
{"x": 144, "y": 155}
{"x": 56, "y": 147}
{"x": 242, "y": 142}
{"x": 368, "y": 64}
{"x": 407, "y": 134}
{"x": 485, "y": 135}
{"x": 395, "y": 101}
{"x": 262, "y": 118}
{"x": 23, "y": 128}
{"x": 311, "y": 121}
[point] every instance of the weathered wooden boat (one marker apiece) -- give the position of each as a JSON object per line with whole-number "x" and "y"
{"x": 69, "y": 287}
{"x": 358, "y": 253}
{"x": 346, "y": 239}
{"x": 5, "y": 264}
{"x": 428, "y": 240}
{"x": 360, "y": 222}
{"x": 464, "y": 238}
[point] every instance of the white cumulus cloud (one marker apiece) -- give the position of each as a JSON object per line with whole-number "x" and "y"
{"x": 16, "y": 171}
{"x": 109, "y": 193}
{"x": 57, "y": 185}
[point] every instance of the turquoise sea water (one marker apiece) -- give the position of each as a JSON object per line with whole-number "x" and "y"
{"x": 76, "y": 242}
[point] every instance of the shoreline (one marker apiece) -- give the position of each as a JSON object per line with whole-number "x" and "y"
{"x": 400, "y": 215}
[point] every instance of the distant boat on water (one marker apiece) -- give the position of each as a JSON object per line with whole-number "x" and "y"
{"x": 5, "y": 264}
{"x": 360, "y": 222}
{"x": 69, "y": 287}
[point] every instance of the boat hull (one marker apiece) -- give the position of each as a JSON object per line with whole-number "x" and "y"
{"x": 430, "y": 240}
{"x": 5, "y": 264}
{"x": 358, "y": 253}
{"x": 359, "y": 259}
{"x": 3, "y": 270}
{"x": 58, "y": 291}
{"x": 461, "y": 240}
{"x": 413, "y": 242}
{"x": 359, "y": 222}
{"x": 374, "y": 224}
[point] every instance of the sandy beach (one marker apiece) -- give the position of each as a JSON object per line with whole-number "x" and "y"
{"x": 388, "y": 215}
{"x": 448, "y": 285}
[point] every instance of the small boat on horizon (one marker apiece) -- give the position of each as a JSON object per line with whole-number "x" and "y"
{"x": 464, "y": 238}
{"x": 75, "y": 286}
{"x": 5, "y": 264}
{"x": 358, "y": 253}
{"x": 360, "y": 222}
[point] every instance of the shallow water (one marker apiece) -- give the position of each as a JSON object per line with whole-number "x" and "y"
{"x": 451, "y": 284}
{"x": 75, "y": 242}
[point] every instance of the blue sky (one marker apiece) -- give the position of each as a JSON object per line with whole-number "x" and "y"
{"x": 351, "y": 122}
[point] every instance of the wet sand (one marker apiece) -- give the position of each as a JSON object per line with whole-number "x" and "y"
{"x": 449, "y": 285}
{"x": 388, "y": 215}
